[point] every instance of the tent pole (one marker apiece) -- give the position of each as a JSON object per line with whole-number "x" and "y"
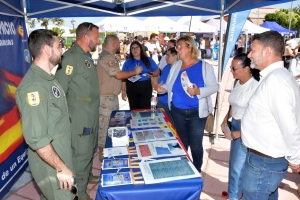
{"x": 25, "y": 16}
{"x": 290, "y": 21}
{"x": 219, "y": 68}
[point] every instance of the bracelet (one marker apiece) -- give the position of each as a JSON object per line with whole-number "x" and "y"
{"x": 62, "y": 169}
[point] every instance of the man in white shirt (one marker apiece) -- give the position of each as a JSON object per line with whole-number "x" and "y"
{"x": 202, "y": 47}
{"x": 270, "y": 125}
{"x": 153, "y": 44}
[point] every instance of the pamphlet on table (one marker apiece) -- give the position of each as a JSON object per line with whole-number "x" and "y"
{"x": 116, "y": 179}
{"x": 147, "y": 114}
{"x": 115, "y": 151}
{"x": 115, "y": 163}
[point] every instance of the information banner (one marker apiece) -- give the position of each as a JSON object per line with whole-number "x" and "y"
{"x": 14, "y": 63}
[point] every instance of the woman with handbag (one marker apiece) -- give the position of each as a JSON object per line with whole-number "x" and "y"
{"x": 189, "y": 86}
{"x": 139, "y": 93}
{"x": 243, "y": 89}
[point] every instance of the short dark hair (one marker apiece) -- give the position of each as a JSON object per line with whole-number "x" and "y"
{"x": 145, "y": 38}
{"x": 271, "y": 39}
{"x": 172, "y": 50}
{"x": 153, "y": 35}
{"x": 38, "y": 38}
{"x": 84, "y": 28}
{"x": 173, "y": 41}
{"x": 246, "y": 62}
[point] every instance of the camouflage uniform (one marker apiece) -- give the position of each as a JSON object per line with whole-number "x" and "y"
{"x": 110, "y": 88}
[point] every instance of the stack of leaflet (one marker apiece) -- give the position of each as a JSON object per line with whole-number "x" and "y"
{"x": 119, "y": 136}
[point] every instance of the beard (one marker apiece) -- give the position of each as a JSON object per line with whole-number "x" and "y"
{"x": 92, "y": 46}
{"x": 55, "y": 59}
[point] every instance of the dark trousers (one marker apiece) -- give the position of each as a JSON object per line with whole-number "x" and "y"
{"x": 139, "y": 94}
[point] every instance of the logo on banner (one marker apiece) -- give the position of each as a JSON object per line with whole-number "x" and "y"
{"x": 20, "y": 31}
{"x": 26, "y": 55}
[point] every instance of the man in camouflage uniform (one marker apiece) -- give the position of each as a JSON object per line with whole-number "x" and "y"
{"x": 78, "y": 77}
{"x": 45, "y": 119}
{"x": 110, "y": 76}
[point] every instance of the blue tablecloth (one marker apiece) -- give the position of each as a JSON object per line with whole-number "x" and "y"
{"x": 188, "y": 189}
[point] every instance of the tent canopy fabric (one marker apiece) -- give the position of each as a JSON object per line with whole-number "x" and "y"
{"x": 216, "y": 23}
{"x": 276, "y": 27}
{"x": 98, "y": 8}
{"x": 164, "y": 24}
{"x": 120, "y": 24}
{"x": 200, "y": 27}
{"x": 251, "y": 28}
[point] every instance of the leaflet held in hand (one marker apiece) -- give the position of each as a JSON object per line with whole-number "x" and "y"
{"x": 185, "y": 82}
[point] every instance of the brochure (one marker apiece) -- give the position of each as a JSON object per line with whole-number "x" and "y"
{"x": 147, "y": 114}
{"x": 115, "y": 163}
{"x": 117, "y": 122}
{"x": 171, "y": 169}
{"x": 148, "y": 122}
{"x": 159, "y": 149}
{"x": 152, "y": 135}
{"x": 185, "y": 82}
{"x": 116, "y": 179}
{"x": 122, "y": 114}
{"x": 119, "y": 136}
{"x": 134, "y": 78}
{"x": 116, "y": 151}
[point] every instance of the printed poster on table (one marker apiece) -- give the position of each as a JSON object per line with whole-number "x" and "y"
{"x": 115, "y": 163}
{"x": 159, "y": 149}
{"x": 147, "y": 114}
{"x": 171, "y": 169}
{"x": 148, "y": 123}
{"x": 152, "y": 135}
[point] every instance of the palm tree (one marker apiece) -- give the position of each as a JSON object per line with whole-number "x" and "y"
{"x": 45, "y": 22}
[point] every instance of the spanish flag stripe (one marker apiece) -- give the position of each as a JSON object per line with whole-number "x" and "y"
{"x": 10, "y": 136}
{"x": 9, "y": 119}
{"x": 11, "y": 149}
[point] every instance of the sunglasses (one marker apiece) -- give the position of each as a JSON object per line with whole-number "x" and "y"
{"x": 74, "y": 191}
{"x": 89, "y": 28}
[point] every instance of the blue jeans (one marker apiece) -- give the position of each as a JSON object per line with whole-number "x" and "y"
{"x": 167, "y": 110}
{"x": 237, "y": 158}
{"x": 190, "y": 129}
{"x": 262, "y": 177}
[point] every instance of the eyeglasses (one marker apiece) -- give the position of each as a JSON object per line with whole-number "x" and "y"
{"x": 89, "y": 27}
{"x": 135, "y": 48}
{"x": 180, "y": 46}
{"x": 233, "y": 69}
{"x": 74, "y": 191}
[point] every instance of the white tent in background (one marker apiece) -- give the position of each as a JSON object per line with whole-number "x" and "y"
{"x": 164, "y": 24}
{"x": 200, "y": 27}
{"x": 120, "y": 24}
{"x": 216, "y": 23}
{"x": 251, "y": 28}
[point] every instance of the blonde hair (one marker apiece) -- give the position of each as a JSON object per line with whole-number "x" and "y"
{"x": 191, "y": 43}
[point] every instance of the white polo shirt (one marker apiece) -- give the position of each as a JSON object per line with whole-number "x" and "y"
{"x": 271, "y": 121}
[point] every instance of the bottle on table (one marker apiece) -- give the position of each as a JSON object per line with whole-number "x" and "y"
{"x": 153, "y": 104}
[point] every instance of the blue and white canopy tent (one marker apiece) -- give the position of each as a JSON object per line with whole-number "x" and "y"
{"x": 273, "y": 26}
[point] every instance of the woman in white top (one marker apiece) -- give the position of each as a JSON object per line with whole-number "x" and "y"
{"x": 243, "y": 89}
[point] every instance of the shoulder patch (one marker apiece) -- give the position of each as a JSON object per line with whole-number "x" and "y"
{"x": 33, "y": 98}
{"x": 55, "y": 92}
{"x": 69, "y": 69}
{"x": 87, "y": 64}
{"x": 111, "y": 63}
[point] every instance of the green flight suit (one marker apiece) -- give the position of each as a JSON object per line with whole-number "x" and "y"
{"x": 78, "y": 77}
{"x": 45, "y": 119}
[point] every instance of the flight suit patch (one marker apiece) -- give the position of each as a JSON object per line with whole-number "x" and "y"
{"x": 55, "y": 91}
{"x": 111, "y": 63}
{"x": 33, "y": 98}
{"x": 69, "y": 69}
{"x": 87, "y": 64}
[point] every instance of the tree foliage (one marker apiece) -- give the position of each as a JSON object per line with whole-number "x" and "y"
{"x": 282, "y": 17}
{"x": 59, "y": 31}
{"x": 45, "y": 22}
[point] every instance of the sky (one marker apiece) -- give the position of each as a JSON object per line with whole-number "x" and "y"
{"x": 94, "y": 20}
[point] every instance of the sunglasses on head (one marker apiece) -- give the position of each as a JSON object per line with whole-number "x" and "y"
{"x": 89, "y": 28}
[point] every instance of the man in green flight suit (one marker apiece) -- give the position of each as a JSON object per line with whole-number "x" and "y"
{"x": 45, "y": 119}
{"x": 78, "y": 77}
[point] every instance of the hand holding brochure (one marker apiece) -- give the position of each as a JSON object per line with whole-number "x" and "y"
{"x": 134, "y": 78}
{"x": 185, "y": 82}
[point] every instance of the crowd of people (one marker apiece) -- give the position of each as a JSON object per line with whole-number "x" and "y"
{"x": 65, "y": 116}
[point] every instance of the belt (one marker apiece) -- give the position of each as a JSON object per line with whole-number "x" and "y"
{"x": 258, "y": 153}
